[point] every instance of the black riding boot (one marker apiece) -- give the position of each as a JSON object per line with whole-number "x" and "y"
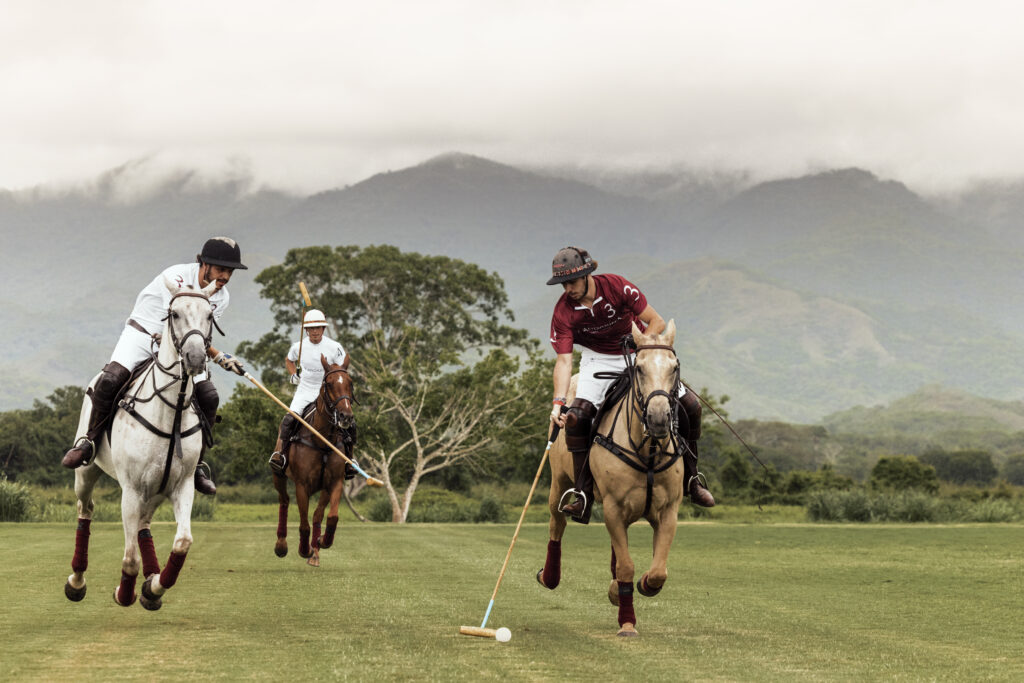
{"x": 279, "y": 458}
{"x": 688, "y": 415}
{"x": 208, "y": 400}
{"x": 110, "y": 381}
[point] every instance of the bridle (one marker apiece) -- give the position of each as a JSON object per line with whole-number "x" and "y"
{"x": 328, "y": 404}
{"x": 645, "y": 401}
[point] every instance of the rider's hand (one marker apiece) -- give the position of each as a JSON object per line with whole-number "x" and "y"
{"x": 229, "y": 362}
{"x": 294, "y": 379}
{"x": 557, "y": 416}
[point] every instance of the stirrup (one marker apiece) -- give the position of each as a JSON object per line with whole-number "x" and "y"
{"x": 562, "y": 503}
{"x": 273, "y": 463}
{"x": 701, "y": 479}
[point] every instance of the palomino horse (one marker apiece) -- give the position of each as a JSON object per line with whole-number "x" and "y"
{"x": 313, "y": 467}
{"x": 637, "y": 471}
{"x": 152, "y": 451}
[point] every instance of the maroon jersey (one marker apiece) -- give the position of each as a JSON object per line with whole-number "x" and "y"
{"x": 617, "y": 304}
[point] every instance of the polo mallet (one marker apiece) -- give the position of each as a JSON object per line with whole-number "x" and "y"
{"x": 482, "y": 631}
{"x": 369, "y": 480}
{"x": 306, "y": 302}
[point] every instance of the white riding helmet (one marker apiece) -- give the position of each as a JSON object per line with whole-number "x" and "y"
{"x": 314, "y": 318}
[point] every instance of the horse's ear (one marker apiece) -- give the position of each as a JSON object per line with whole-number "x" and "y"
{"x": 638, "y": 336}
{"x": 323, "y": 362}
{"x": 344, "y": 363}
{"x": 171, "y": 285}
{"x": 669, "y": 335}
{"x": 209, "y": 289}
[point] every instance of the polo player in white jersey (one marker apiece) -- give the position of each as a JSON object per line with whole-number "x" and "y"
{"x": 308, "y": 377}
{"x": 218, "y": 260}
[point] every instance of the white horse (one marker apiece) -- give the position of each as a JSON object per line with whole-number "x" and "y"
{"x": 154, "y": 445}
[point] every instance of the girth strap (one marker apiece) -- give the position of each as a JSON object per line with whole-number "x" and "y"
{"x": 645, "y": 465}
{"x": 175, "y": 436}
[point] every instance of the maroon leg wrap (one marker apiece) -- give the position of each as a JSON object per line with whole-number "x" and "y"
{"x": 282, "y": 521}
{"x": 304, "y": 542}
{"x": 150, "y": 565}
{"x": 80, "y": 561}
{"x": 553, "y": 564}
{"x": 315, "y": 541}
{"x": 126, "y": 591}
{"x": 613, "y": 563}
{"x": 332, "y": 527}
{"x": 626, "y": 613}
{"x": 169, "y": 576}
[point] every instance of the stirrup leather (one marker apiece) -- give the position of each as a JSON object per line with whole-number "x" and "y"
{"x": 274, "y": 463}
{"x": 562, "y": 501}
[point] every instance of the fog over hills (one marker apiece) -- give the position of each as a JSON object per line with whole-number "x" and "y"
{"x": 798, "y": 297}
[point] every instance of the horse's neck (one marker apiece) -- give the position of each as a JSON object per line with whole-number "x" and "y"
{"x": 168, "y": 372}
{"x": 320, "y": 421}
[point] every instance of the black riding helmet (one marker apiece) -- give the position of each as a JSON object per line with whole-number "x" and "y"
{"x": 222, "y": 251}
{"x": 571, "y": 263}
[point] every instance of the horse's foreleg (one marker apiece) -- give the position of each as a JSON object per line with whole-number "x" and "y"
{"x": 159, "y": 584}
{"x": 131, "y": 514}
{"x": 620, "y": 591}
{"x": 85, "y": 480}
{"x": 318, "y": 518}
{"x": 302, "y": 500}
{"x": 281, "y": 484}
{"x": 332, "y": 515}
{"x": 664, "y": 532}
{"x": 551, "y": 574}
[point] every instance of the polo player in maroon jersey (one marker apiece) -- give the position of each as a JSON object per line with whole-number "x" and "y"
{"x": 595, "y": 312}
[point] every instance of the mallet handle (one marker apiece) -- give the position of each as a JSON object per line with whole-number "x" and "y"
{"x": 369, "y": 480}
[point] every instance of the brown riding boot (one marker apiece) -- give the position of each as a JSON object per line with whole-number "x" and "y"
{"x": 107, "y": 385}
{"x": 279, "y": 458}
{"x": 203, "y": 483}
{"x": 580, "y": 509}
{"x": 694, "y": 487}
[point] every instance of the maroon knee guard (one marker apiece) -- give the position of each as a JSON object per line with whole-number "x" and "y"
{"x": 126, "y": 591}
{"x": 315, "y": 541}
{"x": 169, "y": 576}
{"x": 304, "y": 542}
{"x": 150, "y": 565}
{"x": 332, "y": 526}
{"x": 282, "y": 521}
{"x": 80, "y": 560}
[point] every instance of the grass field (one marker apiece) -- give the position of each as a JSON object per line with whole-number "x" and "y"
{"x": 743, "y": 603}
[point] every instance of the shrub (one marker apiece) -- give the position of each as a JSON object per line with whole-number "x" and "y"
{"x": 992, "y": 510}
{"x": 490, "y": 511}
{"x": 15, "y": 501}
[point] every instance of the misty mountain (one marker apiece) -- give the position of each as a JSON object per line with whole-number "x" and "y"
{"x": 797, "y": 297}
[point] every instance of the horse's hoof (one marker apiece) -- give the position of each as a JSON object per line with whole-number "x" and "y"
{"x": 135, "y": 596}
{"x": 148, "y": 599}
{"x": 646, "y": 589}
{"x": 627, "y": 631}
{"x": 540, "y": 580}
{"x": 305, "y": 555}
{"x": 281, "y": 549}
{"x": 314, "y": 561}
{"x": 613, "y": 593}
{"x": 74, "y": 594}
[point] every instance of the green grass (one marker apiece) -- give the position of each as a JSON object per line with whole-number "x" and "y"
{"x": 743, "y": 603}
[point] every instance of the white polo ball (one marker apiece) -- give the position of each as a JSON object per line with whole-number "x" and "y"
{"x": 503, "y": 635}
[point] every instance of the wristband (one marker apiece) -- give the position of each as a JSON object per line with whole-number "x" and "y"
{"x": 559, "y": 401}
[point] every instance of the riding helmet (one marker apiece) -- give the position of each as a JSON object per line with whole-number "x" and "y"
{"x": 571, "y": 263}
{"x": 314, "y": 318}
{"x": 222, "y": 251}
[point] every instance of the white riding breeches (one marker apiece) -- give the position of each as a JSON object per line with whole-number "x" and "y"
{"x": 593, "y": 389}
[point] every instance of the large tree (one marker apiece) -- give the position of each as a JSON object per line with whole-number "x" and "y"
{"x": 441, "y": 378}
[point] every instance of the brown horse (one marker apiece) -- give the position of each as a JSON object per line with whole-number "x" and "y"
{"x": 638, "y": 473}
{"x": 314, "y": 467}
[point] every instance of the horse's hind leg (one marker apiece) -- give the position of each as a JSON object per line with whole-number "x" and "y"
{"x": 302, "y": 500}
{"x": 664, "y": 532}
{"x": 318, "y": 518}
{"x": 85, "y": 480}
{"x": 332, "y": 516}
{"x": 621, "y": 589}
{"x": 281, "y": 484}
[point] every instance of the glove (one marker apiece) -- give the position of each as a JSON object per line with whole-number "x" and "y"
{"x": 294, "y": 379}
{"x": 229, "y": 362}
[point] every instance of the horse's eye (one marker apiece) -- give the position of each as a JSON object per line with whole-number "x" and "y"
{"x": 639, "y": 370}
{"x": 210, "y": 316}
{"x": 174, "y": 314}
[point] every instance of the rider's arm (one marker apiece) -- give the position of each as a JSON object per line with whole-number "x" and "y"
{"x": 290, "y": 366}
{"x": 655, "y": 323}
{"x": 561, "y": 377}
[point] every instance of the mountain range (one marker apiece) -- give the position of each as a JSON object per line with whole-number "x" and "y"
{"x": 796, "y": 297}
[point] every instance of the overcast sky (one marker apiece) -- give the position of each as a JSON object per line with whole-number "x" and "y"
{"x": 312, "y": 95}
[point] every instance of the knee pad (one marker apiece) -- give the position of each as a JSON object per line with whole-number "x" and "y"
{"x": 110, "y": 381}
{"x": 577, "y": 437}
{"x": 689, "y": 416}
{"x": 287, "y": 427}
{"x": 208, "y": 399}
